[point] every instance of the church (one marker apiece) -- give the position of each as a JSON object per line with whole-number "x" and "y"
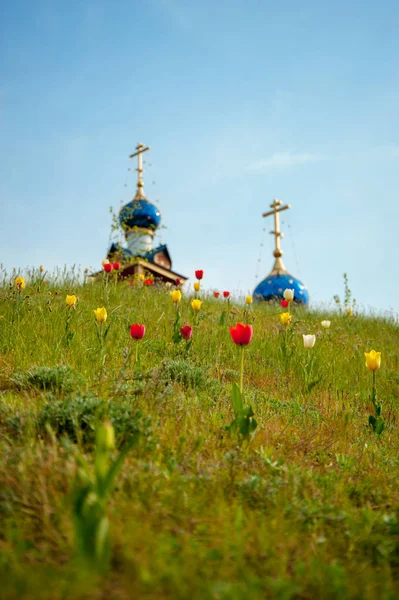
{"x": 139, "y": 220}
{"x": 279, "y": 279}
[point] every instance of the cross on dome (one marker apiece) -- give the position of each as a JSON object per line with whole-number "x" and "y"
{"x": 140, "y": 195}
{"x": 277, "y": 208}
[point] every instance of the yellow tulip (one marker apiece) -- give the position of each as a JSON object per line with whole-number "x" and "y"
{"x": 176, "y": 296}
{"x": 197, "y": 286}
{"x": 71, "y": 300}
{"x": 349, "y": 311}
{"x": 20, "y": 283}
{"x": 248, "y": 300}
{"x": 141, "y": 276}
{"x": 196, "y": 304}
{"x": 41, "y": 268}
{"x": 373, "y": 360}
{"x": 285, "y": 318}
{"x": 101, "y": 314}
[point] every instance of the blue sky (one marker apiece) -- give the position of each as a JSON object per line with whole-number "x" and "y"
{"x": 240, "y": 102}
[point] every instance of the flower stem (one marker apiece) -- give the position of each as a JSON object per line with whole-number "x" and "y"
{"x": 241, "y": 368}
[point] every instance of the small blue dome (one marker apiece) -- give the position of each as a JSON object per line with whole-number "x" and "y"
{"x": 139, "y": 213}
{"x": 272, "y": 288}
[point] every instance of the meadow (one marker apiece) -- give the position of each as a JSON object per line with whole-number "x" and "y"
{"x": 304, "y": 504}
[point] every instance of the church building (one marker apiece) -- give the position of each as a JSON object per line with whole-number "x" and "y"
{"x": 139, "y": 220}
{"x": 279, "y": 279}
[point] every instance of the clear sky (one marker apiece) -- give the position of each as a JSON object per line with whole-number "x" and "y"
{"x": 239, "y": 101}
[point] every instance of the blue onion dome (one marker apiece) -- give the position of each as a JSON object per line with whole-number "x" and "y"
{"x": 273, "y": 286}
{"x": 139, "y": 213}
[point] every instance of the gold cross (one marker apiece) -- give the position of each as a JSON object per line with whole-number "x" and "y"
{"x": 278, "y": 253}
{"x": 140, "y": 149}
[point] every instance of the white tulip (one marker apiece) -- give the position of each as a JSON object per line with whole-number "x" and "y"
{"x": 288, "y": 295}
{"x": 309, "y": 341}
{"x": 326, "y": 324}
{"x": 105, "y": 261}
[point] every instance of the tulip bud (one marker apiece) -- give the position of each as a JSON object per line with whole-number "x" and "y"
{"x": 285, "y": 318}
{"x": 288, "y": 295}
{"x": 176, "y": 296}
{"x": 248, "y": 300}
{"x": 373, "y": 360}
{"x": 105, "y": 437}
{"x": 100, "y": 314}
{"x": 20, "y": 283}
{"x": 309, "y": 341}
{"x": 197, "y": 286}
{"x": 71, "y": 301}
{"x": 196, "y": 305}
{"x": 186, "y": 332}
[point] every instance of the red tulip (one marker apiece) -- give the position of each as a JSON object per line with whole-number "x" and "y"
{"x": 149, "y": 282}
{"x": 199, "y": 275}
{"x": 137, "y": 331}
{"x": 177, "y": 281}
{"x": 108, "y": 267}
{"x": 116, "y": 266}
{"x": 241, "y": 334}
{"x": 284, "y": 303}
{"x": 226, "y": 294}
{"x": 186, "y": 332}
{"x": 216, "y": 294}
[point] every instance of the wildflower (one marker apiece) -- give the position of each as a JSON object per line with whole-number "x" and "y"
{"x": 197, "y": 286}
{"x": 285, "y": 318}
{"x": 196, "y": 304}
{"x": 216, "y": 294}
{"x": 248, "y": 300}
{"x": 101, "y": 314}
{"x": 71, "y": 301}
{"x": 176, "y": 296}
{"x": 116, "y": 266}
{"x": 149, "y": 282}
{"x": 199, "y": 274}
{"x": 20, "y": 283}
{"x": 226, "y": 294}
{"x": 373, "y": 360}
{"x": 105, "y": 261}
{"x": 309, "y": 341}
{"x": 241, "y": 334}
{"x": 108, "y": 267}
{"x": 325, "y": 324}
{"x": 284, "y": 303}
{"x": 137, "y": 331}
{"x": 141, "y": 276}
{"x": 41, "y": 268}
{"x": 288, "y": 295}
{"x": 186, "y": 332}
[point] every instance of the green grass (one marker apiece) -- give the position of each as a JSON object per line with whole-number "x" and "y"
{"x": 306, "y": 509}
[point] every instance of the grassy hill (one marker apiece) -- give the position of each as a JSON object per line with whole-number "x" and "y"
{"x": 307, "y": 507}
